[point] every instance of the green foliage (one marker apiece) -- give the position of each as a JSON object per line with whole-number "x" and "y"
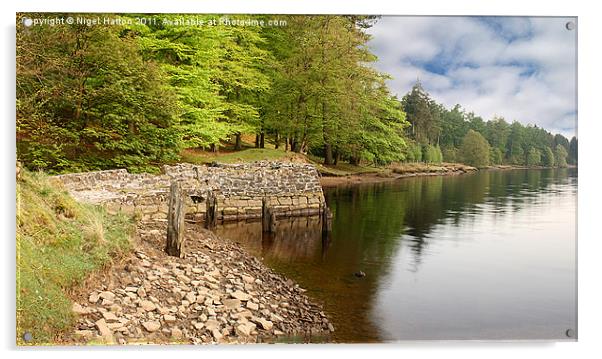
{"x": 533, "y": 157}
{"x": 573, "y": 155}
{"x": 450, "y": 154}
{"x": 496, "y": 156}
{"x": 59, "y": 242}
{"x": 432, "y": 154}
{"x": 560, "y": 155}
{"x": 135, "y": 96}
{"x": 475, "y": 149}
{"x": 414, "y": 152}
{"x": 88, "y": 100}
{"x": 548, "y": 159}
{"x": 423, "y": 113}
{"x": 326, "y": 99}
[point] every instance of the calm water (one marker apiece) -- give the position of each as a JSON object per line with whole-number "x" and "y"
{"x": 489, "y": 255}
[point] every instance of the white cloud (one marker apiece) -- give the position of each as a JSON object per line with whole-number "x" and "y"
{"x": 520, "y": 68}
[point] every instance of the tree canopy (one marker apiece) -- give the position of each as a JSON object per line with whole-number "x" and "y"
{"x": 135, "y": 95}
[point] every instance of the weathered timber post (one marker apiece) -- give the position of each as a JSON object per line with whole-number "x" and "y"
{"x": 176, "y": 228}
{"x": 326, "y": 219}
{"x": 211, "y": 213}
{"x": 268, "y": 217}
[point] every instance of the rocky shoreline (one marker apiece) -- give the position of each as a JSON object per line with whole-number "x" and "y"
{"x": 218, "y": 293}
{"x": 394, "y": 173}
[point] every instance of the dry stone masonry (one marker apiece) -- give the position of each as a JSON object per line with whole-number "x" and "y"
{"x": 240, "y": 190}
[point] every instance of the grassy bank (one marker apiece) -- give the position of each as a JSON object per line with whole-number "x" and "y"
{"x": 59, "y": 243}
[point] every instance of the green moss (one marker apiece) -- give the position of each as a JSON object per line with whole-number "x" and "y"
{"x": 59, "y": 243}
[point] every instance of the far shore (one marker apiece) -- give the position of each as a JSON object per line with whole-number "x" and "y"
{"x": 414, "y": 170}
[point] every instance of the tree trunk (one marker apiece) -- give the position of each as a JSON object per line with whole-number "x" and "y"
{"x": 262, "y": 140}
{"x": 238, "y": 143}
{"x": 328, "y": 154}
{"x": 276, "y": 141}
{"x": 176, "y": 228}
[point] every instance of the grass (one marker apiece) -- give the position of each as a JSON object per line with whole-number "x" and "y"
{"x": 59, "y": 243}
{"x": 245, "y": 155}
{"x": 345, "y": 169}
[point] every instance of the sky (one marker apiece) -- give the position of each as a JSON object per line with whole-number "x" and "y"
{"x": 520, "y": 68}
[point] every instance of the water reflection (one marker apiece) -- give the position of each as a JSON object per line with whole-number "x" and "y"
{"x": 471, "y": 256}
{"x": 295, "y": 239}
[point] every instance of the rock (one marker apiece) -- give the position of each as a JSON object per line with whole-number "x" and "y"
{"x": 265, "y": 324}
{"x": 169, "y": 318}
{"x": 109, "y": 296}
{"x": 110, "y": 317}
{"x": 232, "y": 303}
{"x": 131, "y": 289}
{"x": 245, "y": 329}
{"x": 247, "y": 279}
{"x": 93, "y": 298}
{"x": 141, "y": 292}
{"x": 190, "y": 297}
{"x": 147, "y": 305}
{"x": 252, "y": 306}
{"x": 104, "y": 330}
{"x": 184, "y": 279}
{"x": 79, "y": 310}
{"x": 240, "y": 295}
{"x": 216, "y": 334}
{"x": 331, "y": 327}
{"x": 176, "y": 333}
{"x": 198, "y": 326}
{"x": 151, "y": 326}
{"x": 212, "y": 324}
{"x": 115, "y": 326}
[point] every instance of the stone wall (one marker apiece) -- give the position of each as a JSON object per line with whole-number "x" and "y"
{"x": 288, "y": 189}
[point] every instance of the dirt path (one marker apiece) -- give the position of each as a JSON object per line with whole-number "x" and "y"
{"x": 218, "y": 293}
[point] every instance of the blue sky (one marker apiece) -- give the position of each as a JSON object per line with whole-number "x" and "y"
{"x": 520, "y": 68}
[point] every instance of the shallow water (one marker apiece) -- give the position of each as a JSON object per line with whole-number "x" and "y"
{"x": 489, "y": 255}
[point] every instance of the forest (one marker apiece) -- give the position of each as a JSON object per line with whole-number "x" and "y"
{"x": 136, "y": 94}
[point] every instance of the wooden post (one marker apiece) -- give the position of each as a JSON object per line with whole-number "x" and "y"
{"x": 176, "y": 228}
{"x": 211, "y": 213}
{"x": 268, "y": 217}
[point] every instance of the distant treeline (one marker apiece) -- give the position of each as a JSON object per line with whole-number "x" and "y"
{"x": 452, "y": 135}
{"x": 134, "y": 95}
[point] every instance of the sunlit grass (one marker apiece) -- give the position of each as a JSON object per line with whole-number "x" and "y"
{"x": 246, "y": 155}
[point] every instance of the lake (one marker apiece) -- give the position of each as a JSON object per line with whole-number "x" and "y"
{"x": 488, "y": 255}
